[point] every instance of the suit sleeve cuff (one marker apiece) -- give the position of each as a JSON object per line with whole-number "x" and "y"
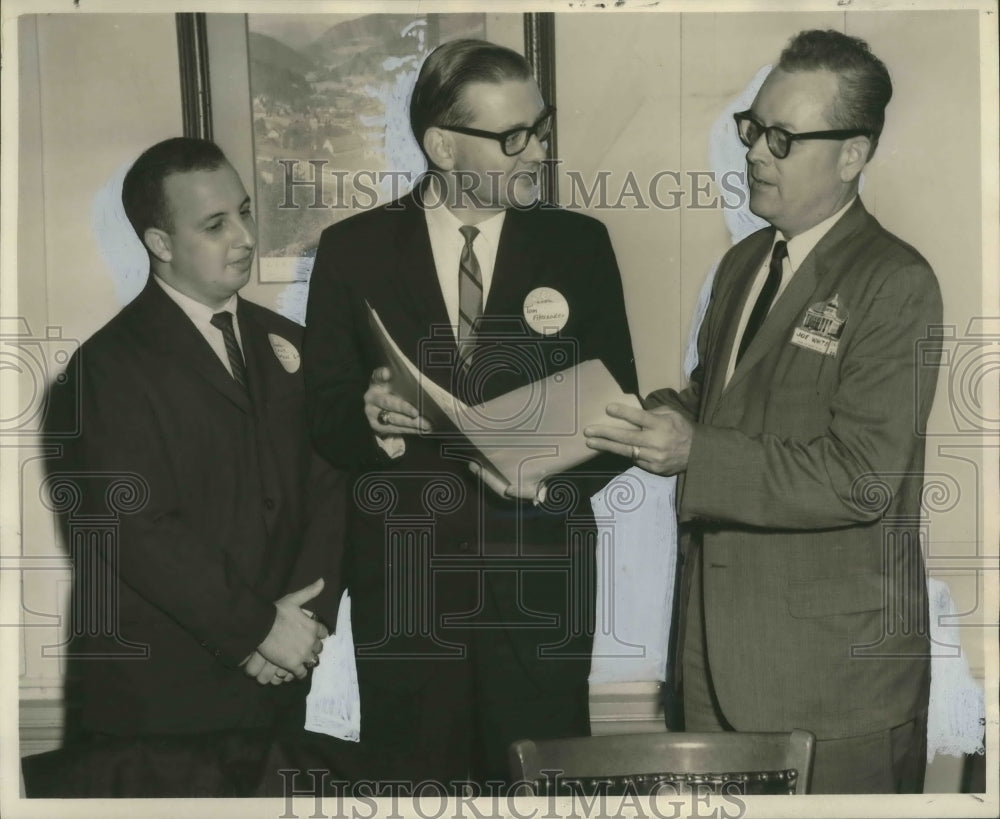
{"x": 247, "y": 629}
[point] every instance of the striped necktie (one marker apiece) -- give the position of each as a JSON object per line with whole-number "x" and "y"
{"x": 470, "y": 295}
{"x": 224, "y": 321}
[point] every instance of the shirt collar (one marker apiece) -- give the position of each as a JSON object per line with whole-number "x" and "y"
{"x": 196, "y": 311}
{"x": 445, "y": 223}
{"x": 801, "y": 246}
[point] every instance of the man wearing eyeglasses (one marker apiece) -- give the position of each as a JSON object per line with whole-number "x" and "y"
{"x": 804, "y": 600}
{"x": 472, "y": 611}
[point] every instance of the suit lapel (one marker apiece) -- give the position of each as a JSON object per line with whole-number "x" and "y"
{"x": 255, "y": 350}
{"x": 774, "y": 330}
{"x": 414, "y": 270}
{"x": 747, "y": 264}
{"x": 168, "y": 329}
{"x": 802, "y": 290}
{"x": 517, "y": 265}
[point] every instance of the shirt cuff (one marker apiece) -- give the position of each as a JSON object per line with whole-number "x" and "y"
{"x": 393, "y": 445}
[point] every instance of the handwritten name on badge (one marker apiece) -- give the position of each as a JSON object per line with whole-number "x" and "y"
{"x": 546, "y": 310}
{"x": 285, "y": 352}
{"x": 822, "y": 327}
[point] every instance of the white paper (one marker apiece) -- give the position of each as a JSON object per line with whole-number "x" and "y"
{"x": 636, "y": 564}
{"x": 333, "y": 705}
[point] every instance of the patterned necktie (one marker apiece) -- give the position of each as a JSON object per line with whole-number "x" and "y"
{"x": 766, "y": 297}
{"x": 224, "y": 321}
{"x": 470, "y": 295}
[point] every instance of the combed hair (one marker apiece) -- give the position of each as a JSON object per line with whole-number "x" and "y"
{"x": 142, "y": 190}
{"x": 864, "y": 87}
{"x": 437, "y": 97}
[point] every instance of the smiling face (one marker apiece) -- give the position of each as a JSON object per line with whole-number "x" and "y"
{"x": 482, "y": 177}
{"x": 819, "y": 176}
{"x": 207, "y": 249}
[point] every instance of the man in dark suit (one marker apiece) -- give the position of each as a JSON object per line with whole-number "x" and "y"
{"x": 191, "y": 403}
{"x": 472, "y": 611}
{"x": 797, "y": 440}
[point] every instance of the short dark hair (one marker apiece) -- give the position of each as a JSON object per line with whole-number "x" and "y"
{"x": 437, "y": 97}
{"x": 142, "y": 190}
{"x": 864, "y": 87}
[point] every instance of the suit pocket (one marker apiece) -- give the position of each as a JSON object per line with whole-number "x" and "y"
{"x": 797, "y": 413}
{"x": 835, "y": 595}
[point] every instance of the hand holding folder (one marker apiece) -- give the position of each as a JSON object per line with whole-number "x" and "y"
{"x": 522, "y": 436}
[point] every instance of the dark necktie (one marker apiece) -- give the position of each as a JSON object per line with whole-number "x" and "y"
{"x": 766, "y": 297}
{"x": 470, "y": 295}
{"x": 224, "y": 321}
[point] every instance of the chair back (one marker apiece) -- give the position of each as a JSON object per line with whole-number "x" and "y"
{"x": 722, "y": 762}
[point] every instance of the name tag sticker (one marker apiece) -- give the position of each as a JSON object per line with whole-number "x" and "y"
{"x": 285, "y": 352}
{"x": 546, "y": 310}
{"x": 822, "y": 327}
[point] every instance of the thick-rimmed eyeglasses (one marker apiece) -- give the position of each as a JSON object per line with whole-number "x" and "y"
{"x": 779, "y": 141}
{"x": 514, "y": 141}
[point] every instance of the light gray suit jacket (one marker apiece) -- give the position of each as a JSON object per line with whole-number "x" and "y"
{"x": 803, "y": 488}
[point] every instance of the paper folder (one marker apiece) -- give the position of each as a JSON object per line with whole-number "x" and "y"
{"x": 524, "y": 435}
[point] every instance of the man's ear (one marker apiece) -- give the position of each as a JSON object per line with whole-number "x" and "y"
{"x": 853, "y": 157}
{"x": 440, "y": 148}
{"x": 158, "y": 243}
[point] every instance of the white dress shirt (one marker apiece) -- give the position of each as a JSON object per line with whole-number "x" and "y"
{"x": 201, "y": 316}
{"x": 447, "y": 243}
{"x": 798, "y": 248}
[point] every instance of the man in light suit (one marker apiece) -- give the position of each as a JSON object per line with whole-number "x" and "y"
{"x": 472, "y": 612}
{"x": 804, "y": 600}
{"x": 190, "y": 398}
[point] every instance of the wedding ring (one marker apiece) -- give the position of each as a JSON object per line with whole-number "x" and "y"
{"x": 635, "y": 453}
{"x": 311, "y": 663}
{"x": 383, "y": 417}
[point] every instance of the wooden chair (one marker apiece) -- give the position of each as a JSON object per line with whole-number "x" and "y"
{"x": 643, "y": 764}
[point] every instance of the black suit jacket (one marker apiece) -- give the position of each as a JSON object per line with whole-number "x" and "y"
{"x": 425, "y": 539}
{"x": 222, "y": 508}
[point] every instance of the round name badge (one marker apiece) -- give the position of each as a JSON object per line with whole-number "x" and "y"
{"x": 546, "y": 310}
{"x": 285, "y": 352}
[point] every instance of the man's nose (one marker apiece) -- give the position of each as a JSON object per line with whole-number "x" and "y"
{"x": 759, "y": 152}
{"x": 536, "y": 151}
{"x": 247, "y": 234}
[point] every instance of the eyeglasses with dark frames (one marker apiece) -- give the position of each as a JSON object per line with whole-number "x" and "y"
{"x": 779, "y": 141}
{"x": 514, "y": 141}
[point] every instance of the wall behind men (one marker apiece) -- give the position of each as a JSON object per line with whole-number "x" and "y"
{"x": 95, "y": 90}
{"x": 656, "y": 101}
{"x": 636, "y": 92}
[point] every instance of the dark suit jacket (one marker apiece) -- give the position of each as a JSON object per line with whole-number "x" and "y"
{"x": 456, "y": 525}
{"x": 803, "y": 488}
{"x": 227, "y": 510}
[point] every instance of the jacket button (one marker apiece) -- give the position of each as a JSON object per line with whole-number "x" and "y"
{"x": 268, "y": 504}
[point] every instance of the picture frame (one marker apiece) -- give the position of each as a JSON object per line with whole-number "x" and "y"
{"x": 327, "y": 100}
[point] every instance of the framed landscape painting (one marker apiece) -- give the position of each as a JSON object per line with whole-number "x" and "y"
{"x": 331, "y": 132}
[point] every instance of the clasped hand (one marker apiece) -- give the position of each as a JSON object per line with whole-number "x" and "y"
{"x": 293, "y": 644}
{"x": 661, "y": 445}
